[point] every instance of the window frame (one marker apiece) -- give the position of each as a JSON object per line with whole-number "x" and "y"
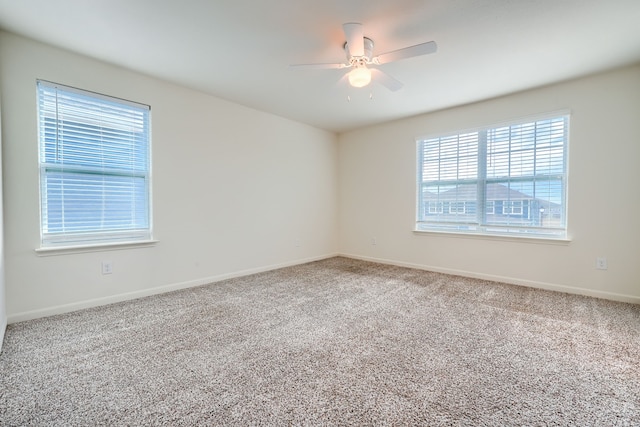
{"x": 439, "y": 207}
{"x": 487, "y": 204}
{"x": 92, "y": 237}
{"x": 457, "y": 207}
{"x": 512, "y": 207}
{"x": 491, "y": 203}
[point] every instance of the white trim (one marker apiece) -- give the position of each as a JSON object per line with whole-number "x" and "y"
{"x": 3, "y": 328}
{"x": 96, "y": 302}
{"x": 97, "y": 247}
{"x": 508, "y": 237}
{"x": 510, "y": 280}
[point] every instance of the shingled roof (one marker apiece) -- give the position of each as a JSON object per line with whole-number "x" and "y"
{"x": 468, "y": 192}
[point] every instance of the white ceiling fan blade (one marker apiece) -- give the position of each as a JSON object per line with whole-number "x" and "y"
{"x": 355, "y": 38}
{"x": 407, "y": 52}
{"x": 317, "y": 66}
{"x": 385, "y": 80}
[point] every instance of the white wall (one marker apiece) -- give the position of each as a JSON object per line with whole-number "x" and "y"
{"x": 235, "y": 190}
{"x": 3, "y": 306}
{"x": 377, "y": 193}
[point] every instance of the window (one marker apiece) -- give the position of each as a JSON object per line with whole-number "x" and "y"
{"x": 490, "y": 207}
{"x": 514, "y": 175}
{"x": 456, "y": 208}
{"x": 94, "y": 162}
{"x": 512, "y": 207}
{"x": 435, "y": 207}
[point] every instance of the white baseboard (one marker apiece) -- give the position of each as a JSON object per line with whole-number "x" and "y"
{"x": 3, "y": 328}
{"x": 66, "y": 308}
{"x": 503, "y": 279}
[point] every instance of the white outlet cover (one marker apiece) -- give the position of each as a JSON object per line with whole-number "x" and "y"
{"x": 107, "y": 267}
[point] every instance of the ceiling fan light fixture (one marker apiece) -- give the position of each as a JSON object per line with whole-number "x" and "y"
{"x": 360, "y": 77}
{"x": 359, "y": 52}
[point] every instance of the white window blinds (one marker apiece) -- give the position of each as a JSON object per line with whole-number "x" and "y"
{"x": 508, "y": 179}
{"x": 94, "y": 167}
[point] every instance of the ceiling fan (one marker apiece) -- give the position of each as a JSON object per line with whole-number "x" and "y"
{"x": 359, "y": 50}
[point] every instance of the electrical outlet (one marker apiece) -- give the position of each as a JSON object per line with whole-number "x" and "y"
{"x": 601, "y": 263}
{"x": 374, "y": 241}
{"x": 107, "y": 267}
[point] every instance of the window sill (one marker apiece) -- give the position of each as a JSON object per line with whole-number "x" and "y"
{"x": 97, "y": 247}
{"x": 499, "y": 237}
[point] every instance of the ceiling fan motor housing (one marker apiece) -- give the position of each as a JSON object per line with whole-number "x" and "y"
{"x": 368, "y": 52}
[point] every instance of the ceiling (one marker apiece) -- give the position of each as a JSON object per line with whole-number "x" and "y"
{"x": 240, "y": 50}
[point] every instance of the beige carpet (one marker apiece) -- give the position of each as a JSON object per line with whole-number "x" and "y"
{"x": 334, "y": 342}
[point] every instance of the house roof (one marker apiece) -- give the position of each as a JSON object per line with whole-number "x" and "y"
{"x": 469, "y": 192}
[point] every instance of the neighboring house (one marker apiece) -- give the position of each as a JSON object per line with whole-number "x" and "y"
{"x": 504, "y": 206}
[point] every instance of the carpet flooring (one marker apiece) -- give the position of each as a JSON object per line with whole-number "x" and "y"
{"x": 333, "y": 342}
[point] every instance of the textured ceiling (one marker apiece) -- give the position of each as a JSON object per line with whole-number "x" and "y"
{"x": 240, "y": 50}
